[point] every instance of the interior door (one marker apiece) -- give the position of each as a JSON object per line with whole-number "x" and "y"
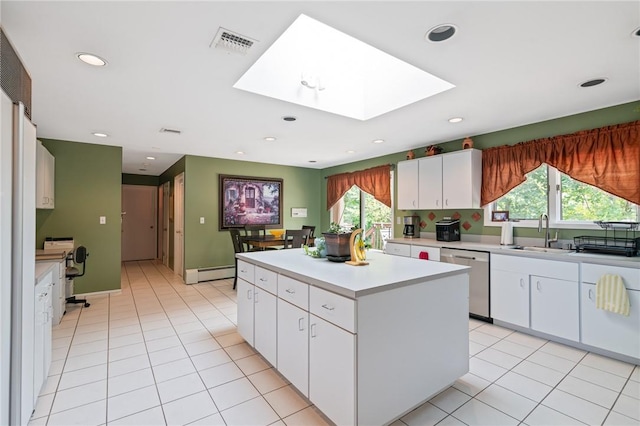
{"x": 139, "y": 237}
{"x": 178, "y": 225}
{"x": 166, "y": 204}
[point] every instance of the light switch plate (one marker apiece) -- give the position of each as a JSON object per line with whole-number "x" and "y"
{"x": 201, "y": 220}
{"x": 399, "y": 220}
{"x": 103, "y": 220}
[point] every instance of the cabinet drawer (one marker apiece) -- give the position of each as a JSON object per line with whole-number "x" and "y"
{"x": 592, "y": 272}
{"x": 398, "y": 249}
{"x": 434, "y": 252}
{"x": 246, "y": 271}
{"x": 293, "y": 291}
{"x": 336, "y": 309}
{"x": 567, "y": 271}
{"x": 266, "y": 279}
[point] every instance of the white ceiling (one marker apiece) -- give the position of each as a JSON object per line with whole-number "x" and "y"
{"x": 512, "y": 63}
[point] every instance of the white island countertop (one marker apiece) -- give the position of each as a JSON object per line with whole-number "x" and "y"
{"x": 384, "y": 272}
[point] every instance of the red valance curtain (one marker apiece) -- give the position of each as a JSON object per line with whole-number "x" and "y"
{"x": 375, "y": 181}
{"x": 608, "y": 158}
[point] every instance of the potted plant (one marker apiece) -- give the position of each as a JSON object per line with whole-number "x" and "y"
{"x": 337, "y": 243}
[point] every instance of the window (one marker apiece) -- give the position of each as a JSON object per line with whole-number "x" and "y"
{"x": 571, "y": 204}
{"x": 357, "y": 207}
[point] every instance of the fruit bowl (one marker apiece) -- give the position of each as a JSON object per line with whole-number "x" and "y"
{"x": 277, "y": 232}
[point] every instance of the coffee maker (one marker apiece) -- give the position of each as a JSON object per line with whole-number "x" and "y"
{"x": 411, "y": 226}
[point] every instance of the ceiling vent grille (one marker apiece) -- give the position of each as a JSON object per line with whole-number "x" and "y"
{"x": 173, "y": 131}
{"x": 233, "y": 42}
{"x": 14, "y": 78}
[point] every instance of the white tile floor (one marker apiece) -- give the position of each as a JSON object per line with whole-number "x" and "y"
{"x": 166, "y": 353}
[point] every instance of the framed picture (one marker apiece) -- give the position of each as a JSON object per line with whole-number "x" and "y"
{"x": 500, "y": 216}
{"x": 248, "y": 200}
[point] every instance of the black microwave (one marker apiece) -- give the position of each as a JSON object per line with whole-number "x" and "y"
{"x": 448, "y": 230}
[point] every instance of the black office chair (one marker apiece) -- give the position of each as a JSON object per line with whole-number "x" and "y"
{"x": 296, "y": 238}
{"x": 238, "y": 247}
{"x": 79, "y": 257}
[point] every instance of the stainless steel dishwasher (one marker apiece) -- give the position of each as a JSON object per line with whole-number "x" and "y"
{"x": 478, "y": 261}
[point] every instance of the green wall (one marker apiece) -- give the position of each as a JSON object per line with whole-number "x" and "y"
{"x": 589, "y": 120}
{"x": 87, "y": 186}
{"x": 144, "y": 180}
{"x": 205, "y": 245}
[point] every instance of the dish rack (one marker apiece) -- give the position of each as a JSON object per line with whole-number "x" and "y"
{"x": 619, "y": 238}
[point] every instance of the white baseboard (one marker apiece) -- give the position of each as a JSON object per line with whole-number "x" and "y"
{"x": 194, "y": 276}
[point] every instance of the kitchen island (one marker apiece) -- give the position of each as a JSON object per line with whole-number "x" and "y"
{"x": 365, "y": 344}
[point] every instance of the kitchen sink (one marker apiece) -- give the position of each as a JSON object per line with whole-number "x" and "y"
{"x": 546, "y": 249}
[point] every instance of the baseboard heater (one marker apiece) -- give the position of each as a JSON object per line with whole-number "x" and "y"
{"x": 194, "y": 276}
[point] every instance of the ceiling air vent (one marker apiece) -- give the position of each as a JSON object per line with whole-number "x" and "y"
{"x": 174, "y": 131}
{"x": 233, "y": 42}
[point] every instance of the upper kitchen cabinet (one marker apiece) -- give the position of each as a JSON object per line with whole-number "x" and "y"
{"x": 446, "y": 181}
{"x": 45, "y": 178}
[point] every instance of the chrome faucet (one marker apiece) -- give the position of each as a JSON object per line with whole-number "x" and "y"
{"x": 547, "y": 241}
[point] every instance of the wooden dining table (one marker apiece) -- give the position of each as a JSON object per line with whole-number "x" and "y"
{"x": 264, "y": 241}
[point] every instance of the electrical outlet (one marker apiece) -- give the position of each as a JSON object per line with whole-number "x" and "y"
{"x": 202, "y": 221}
{"x": 103, "y": 220}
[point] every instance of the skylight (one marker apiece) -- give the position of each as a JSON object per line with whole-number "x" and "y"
{"x": 314, "y": 65}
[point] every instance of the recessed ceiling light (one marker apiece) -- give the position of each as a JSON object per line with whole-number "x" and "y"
{"x": 441, "y": 32}
{"x": 289, "y": 118}
{"x": 151, "y": 158}
{"x": 312, "y": 161}
{"x": 636, "y": 32}
{"x": 378, "y": 141}
{"x": 91, "y": 59}
{"x": 240, "y": 152}
{"x": 143, "y": 170}
{"x": 100, "y": 135}
{"x": 593, "y": 82}
{"x": 269, "y": 139}
{"x": 351, "y": 151}
{"x": 455, "y": 120}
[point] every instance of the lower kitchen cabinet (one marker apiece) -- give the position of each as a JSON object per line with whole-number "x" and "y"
{"x": 42, "y": 333}
{"x": 332, "y": 371}
{"x": 245, "y": 310}
{"x": 510, "y": 297}
{"x": 265, "y": 324}
{"x": 398, "y": 249}
{"x": 555, "y": 307}
{"x": 293, "y": 345}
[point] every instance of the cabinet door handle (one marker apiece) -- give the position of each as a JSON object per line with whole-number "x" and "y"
{"x": 290, "y": 291}
{"x": 590, "y": 294}
{"x": 264, "y": 280}
{"x": 249, "y": 294}
{"x": 538, "y": 285}
{"x": 313, "y": 330}
{"x": 327, "y": 307}
{"x": 521, "y": 283}
{"x": 446, "y": 201}
{"x": 437, "y": 202}
{"x": 255, "y": 297}
{"x": 301, "y": 324}
{"x": 244, "y": 271}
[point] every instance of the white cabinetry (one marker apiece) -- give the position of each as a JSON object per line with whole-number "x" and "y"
{"x": 45, "y": 178}
{"x": 332, "y": 371}
{"x": 510, "y": 297}
{"x": 433, "y": 252}
{"x": 604, "y": 329}
{"x": 245, "y": 310}
{"x": 42, "y": 332}
{"x": 398, "y": 249}
{"x": 536, "y": 293}
{"x": 446, "y": 181}
{"x": 58, "y": 300}
{"x": 554, "y": 307}
{"x": 293, "y": 345}
{"x": 407, "y": 175}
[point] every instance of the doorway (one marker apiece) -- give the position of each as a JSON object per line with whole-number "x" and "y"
{"x": 139, "y": 209}
{"x": 178, "y": 225}
{"x": 165, "y": 208}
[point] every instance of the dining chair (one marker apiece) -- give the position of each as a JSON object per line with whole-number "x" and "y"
{"x": 296, "y": 238}
{"x": 312, "y": 228}
{"x": 238, "y": 247}
{"x": 255, "y": 231}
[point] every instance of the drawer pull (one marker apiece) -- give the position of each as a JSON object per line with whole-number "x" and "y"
{"x": 521, "y": 282}
{"x": 249, "y": 294}
{"x": 301, "y": 324}
{"x": 263, "y": 279}
{"x": 538, "y": 285}
{"x": 590, "y": 294}
{"x": 290, "y": 291}
{"x": 327, "y": 307}
{"x": 255, "y": 298}
{"x": 244, "y": 271}
{"x": 313, "y": 330}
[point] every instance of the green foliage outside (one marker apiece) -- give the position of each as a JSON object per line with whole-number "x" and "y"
{"x": 580, "y": 202}
{"x": 375, "y": 211}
